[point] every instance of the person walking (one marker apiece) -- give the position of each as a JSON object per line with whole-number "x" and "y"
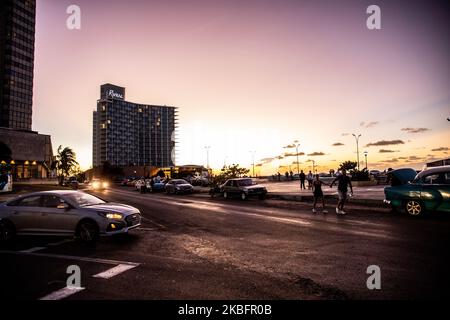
{"x": 310, "y": 179}
{"x": 318, "y": 194}
{"x": 302, "y": 177}
{"x": 291, "y": 175}
{"x": 343, "y": 183}
{"x": 279, "y": 176}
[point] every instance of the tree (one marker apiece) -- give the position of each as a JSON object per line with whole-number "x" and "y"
{"x": 348, "y": 165}
{"x": 65, "y": 162}
{"x": 230, "y": 172}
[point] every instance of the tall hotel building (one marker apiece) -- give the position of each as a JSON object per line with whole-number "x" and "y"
{"x": 132, "y": 134}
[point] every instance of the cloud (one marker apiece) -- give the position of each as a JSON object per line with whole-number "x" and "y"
{"x": 414, "y": 158}
{"x": 387, "y": 151}
{"x": 295, "y": 162}
{"x": 345, "y": 134}
{"x": 266, "y": 160}
{"x": 337, "y": 144}
{"x": 314, "y": 154}
{"x": 385, "y": 143}
{"x": 293, "y": 154}
{"x": 415, "y": 130}
{"x": 441, "y": 149}
{"x": 393, "y": 160}
{"x": 259, "y": 165}
{"x": 289, "y": 146}
{"x": 368, "y": 124}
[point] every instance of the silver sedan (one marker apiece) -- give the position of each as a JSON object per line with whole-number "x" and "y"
{"x": 65, "y": 213}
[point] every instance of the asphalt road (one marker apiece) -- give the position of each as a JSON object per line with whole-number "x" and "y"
{"x": 193, "y": 247}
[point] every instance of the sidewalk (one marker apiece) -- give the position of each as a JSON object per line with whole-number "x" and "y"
{"x": 290, "y": 190}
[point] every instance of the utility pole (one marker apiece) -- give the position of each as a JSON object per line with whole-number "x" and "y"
{"x": 253, "y": 159}
{"x": 365, "y": 154}
{"x": 207, "y": 156}
{"x": 357, "y": 146}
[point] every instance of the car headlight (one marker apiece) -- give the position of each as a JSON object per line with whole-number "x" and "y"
{"x": 105, "y": 184}
{"x": 95, "y": 185}
{"x": 111, "y": 215}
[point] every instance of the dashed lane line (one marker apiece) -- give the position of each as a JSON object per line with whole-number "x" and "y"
{"x": 114, "y": 271}
{"x": 33, "y": 249}
{"x": 61, "y": 294}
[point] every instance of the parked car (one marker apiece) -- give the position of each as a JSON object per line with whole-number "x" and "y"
{"x": 143, "y": 185}
{"x": 176, "y": 186}
{"x": 65, "y": 213}
{"x": 243, "y": 187}
{"x": 98, "y": 184}
{"x": 418, "y": 193}
{"x": 158, "y": 186}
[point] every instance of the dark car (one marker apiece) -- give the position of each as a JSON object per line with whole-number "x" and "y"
{"x": 243, "y": 187}
{"x": 418, "y": 193}
{"x": 177, "y": 186}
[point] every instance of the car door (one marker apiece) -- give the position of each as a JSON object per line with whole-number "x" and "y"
{"x": 26, "y": 214}
{"x": 432, "y": 189}
{"x": 59, "y": 217}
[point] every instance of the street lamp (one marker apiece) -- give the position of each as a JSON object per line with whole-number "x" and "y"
{"x": 298, "y": 164}
{"x": 365, "y": 155}
{"x": 357, "y": 146}
{"x": 207, "y": 156}
{"x": 253, "y": 161}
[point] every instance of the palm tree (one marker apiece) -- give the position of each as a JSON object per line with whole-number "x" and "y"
{"x": 65, "y": 162}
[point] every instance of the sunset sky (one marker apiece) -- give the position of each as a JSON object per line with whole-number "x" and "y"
{"x": 254, "y": 76}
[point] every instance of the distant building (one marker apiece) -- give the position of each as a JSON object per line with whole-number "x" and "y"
{"x": 24, "y": 152}
{"x": 437, "y": 163}
{"x": 132, "y": 134}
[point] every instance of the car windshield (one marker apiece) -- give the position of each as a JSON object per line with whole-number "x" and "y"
{"x": 245, "y": 182}
{"x": 84, "y": 199}
{"x": 180, "y": 182}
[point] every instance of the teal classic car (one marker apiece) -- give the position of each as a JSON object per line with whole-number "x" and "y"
{"x": 417, "y": 193}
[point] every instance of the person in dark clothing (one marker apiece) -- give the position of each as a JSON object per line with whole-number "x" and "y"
{"x": 302, "y": 177}
{"x": 286, "y": 174}
{"x": 318, "y": 194}
{"x": 291, "y": 175}
{"x": 343, "y": 183}
{"x": 279, "y": 176}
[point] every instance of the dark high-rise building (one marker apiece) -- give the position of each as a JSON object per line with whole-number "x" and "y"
{"x": 127, "y": 133}
{"x": 26, "y": 154}
{"x": 17, "y": 21}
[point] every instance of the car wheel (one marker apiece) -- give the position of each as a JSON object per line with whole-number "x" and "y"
{"x": 225, "y": 195}
{"x": 88, "y": 231}
{"x": 414, "y": 208}
{"x": 7, "y": 231}
{"x": 243, "y": 196}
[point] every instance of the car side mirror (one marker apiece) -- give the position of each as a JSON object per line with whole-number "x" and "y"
{"x": 63, "y": 205}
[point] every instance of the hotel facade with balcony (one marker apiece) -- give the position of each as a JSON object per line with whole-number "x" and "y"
{"x": 132, "y": 134}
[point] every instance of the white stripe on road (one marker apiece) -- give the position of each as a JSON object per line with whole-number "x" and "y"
{"x": 33, "y": 249}
{"x": 53, "y": 244}
{"x": 61, "y": 294}
{"x": 114, "y": 271}
{"x": 60, "y": 256}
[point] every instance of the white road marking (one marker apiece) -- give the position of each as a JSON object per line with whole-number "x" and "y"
{"x": 59, "y": 256}
{"x": 33, "y": 249}
{"x": 61, "y": 294}
{"x": 53, "y": 244}
{"x": 114, "y": 271}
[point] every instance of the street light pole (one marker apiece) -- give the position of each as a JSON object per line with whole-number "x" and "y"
{"x": 357, "y": 147}
{"x": 207, "y": 156}
{"x": 253, "y": 159}
{"x": 298, "y": 164}
{"x": 365, "y": 154}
